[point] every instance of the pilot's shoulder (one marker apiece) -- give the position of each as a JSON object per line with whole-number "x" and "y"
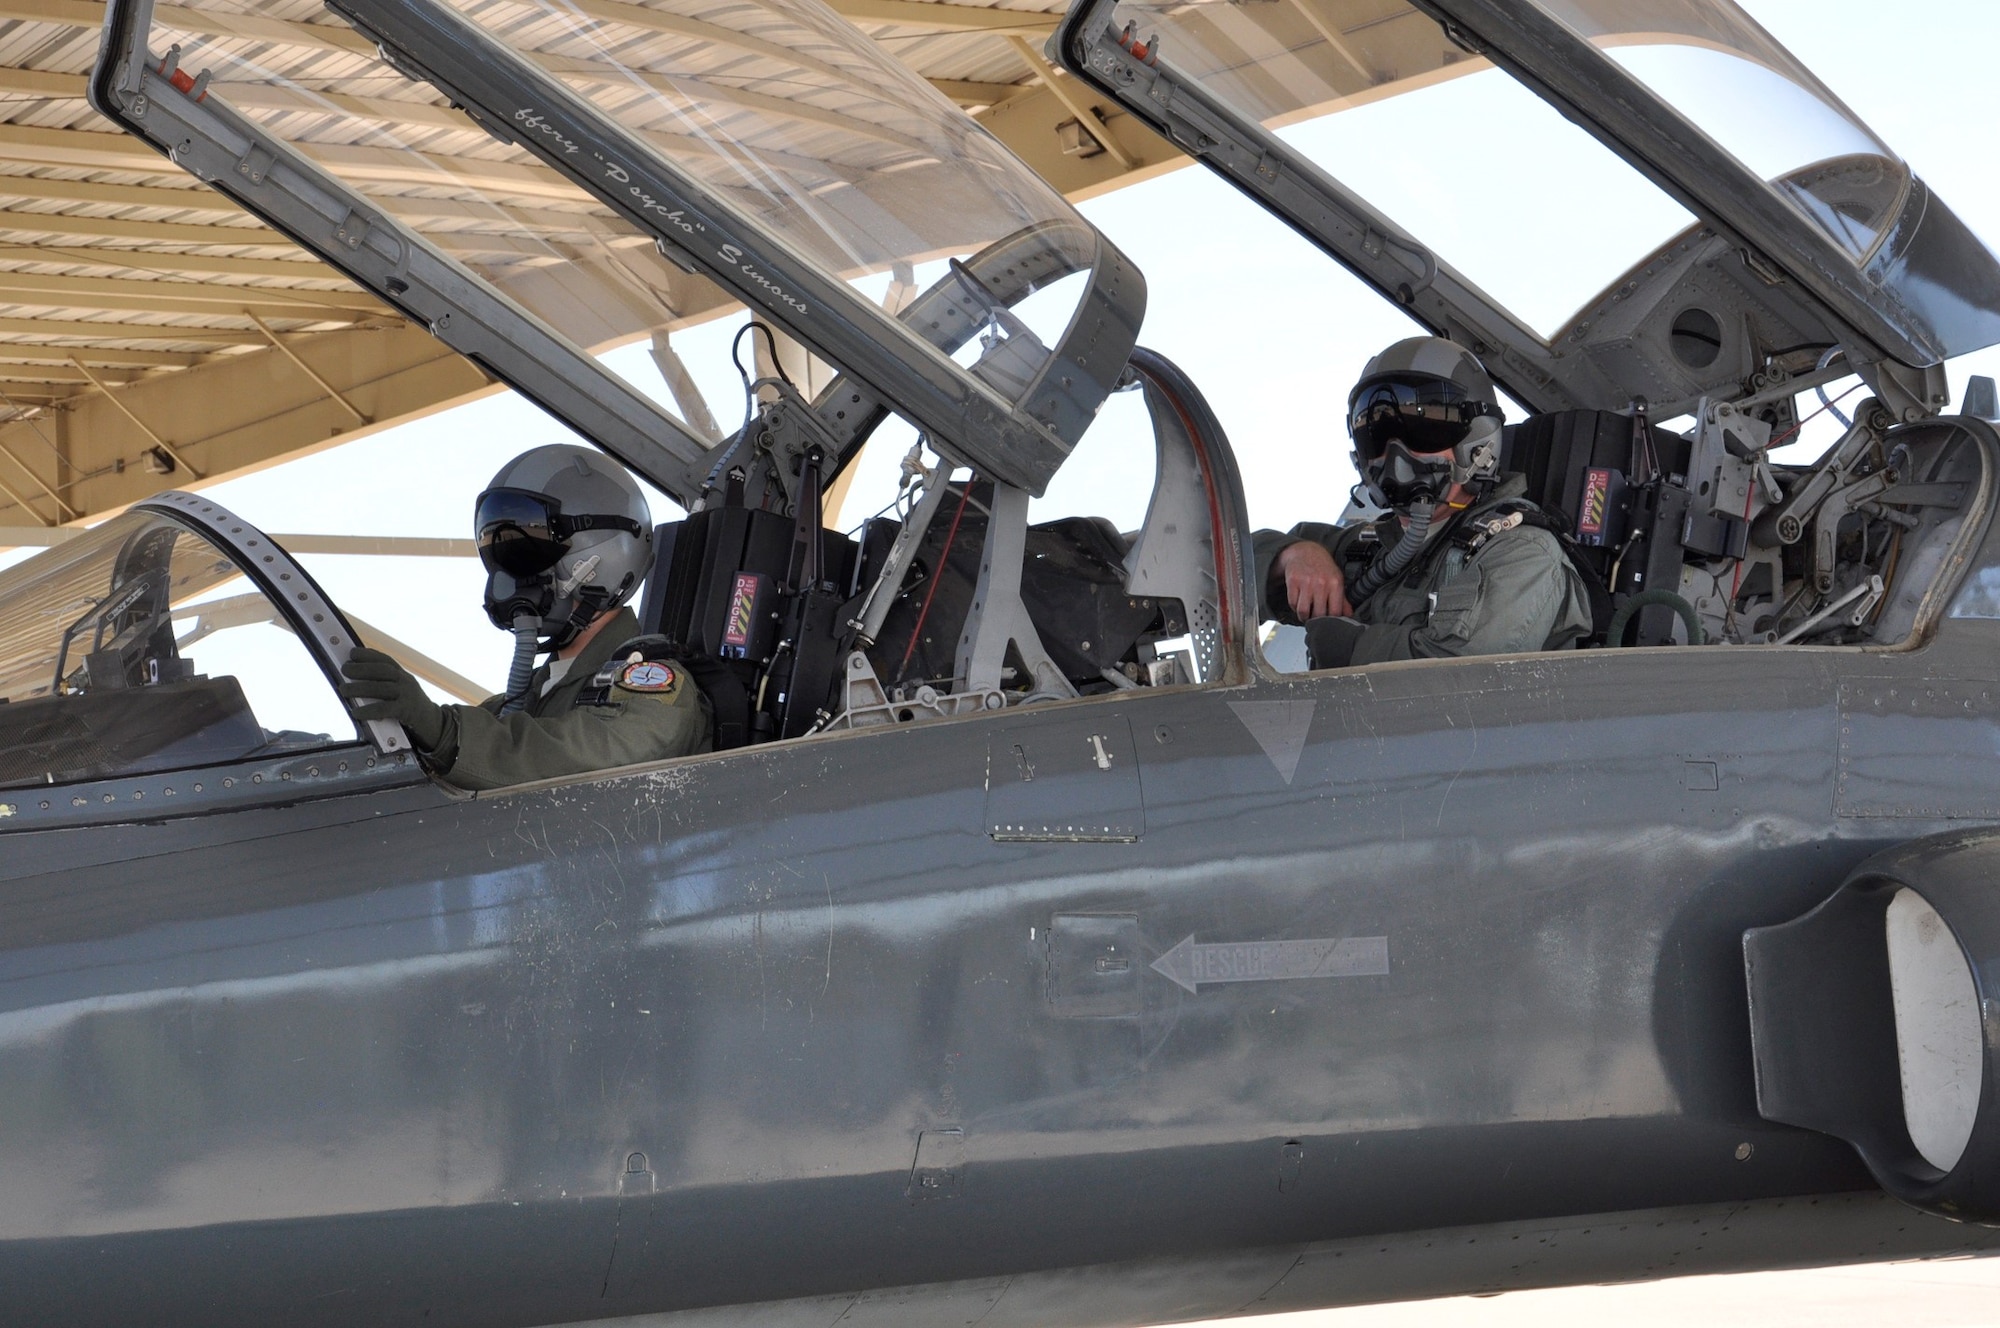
{"x": 1517, "y": 526}
{"x": 641, "y": 670}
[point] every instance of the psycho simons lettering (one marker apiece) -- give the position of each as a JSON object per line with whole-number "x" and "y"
{"x": 679, "y": 220}
{"x": 734, "y": 257}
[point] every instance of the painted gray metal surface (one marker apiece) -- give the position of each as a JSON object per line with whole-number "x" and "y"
{"x": 671, "y": 1039}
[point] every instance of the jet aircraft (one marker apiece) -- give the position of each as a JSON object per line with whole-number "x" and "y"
{"x": 1031, "y": 951}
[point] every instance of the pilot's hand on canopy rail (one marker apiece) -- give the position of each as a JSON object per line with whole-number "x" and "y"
{"x": 377, "y": 687}
{"x": 1314, "y": 586}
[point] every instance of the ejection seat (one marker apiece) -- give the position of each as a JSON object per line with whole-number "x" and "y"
{"x": 987, "y": 610}
{"x": 1593, "y": 471}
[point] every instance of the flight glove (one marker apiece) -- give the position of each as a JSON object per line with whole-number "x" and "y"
{"x": 377, "y": 687}
{"x": 1330, "y": 642}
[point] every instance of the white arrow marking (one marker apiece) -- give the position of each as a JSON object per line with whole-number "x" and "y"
{"x": 1190, "y": 965}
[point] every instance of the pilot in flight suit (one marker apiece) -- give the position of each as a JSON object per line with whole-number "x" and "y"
{"x": 1463, "y": 564}
{"x": 566, "y": 538}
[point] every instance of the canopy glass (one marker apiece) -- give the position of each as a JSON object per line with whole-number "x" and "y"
{"x": 1372, "y": 93}
{"x": 141, "y": 646}
{"x": 780, "y": 111}
{"x": 1729, "y": 78}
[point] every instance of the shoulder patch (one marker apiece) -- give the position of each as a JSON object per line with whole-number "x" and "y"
{"x": 649, "y": 675}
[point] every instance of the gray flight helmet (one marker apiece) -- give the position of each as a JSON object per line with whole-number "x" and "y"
{"x": 601, "y": 543}
{"x": 1419, "y": 398}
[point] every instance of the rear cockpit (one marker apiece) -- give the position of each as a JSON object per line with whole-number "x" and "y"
{"x": 1704, "y": 539}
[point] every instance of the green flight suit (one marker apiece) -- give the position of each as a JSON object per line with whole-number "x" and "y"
{"x": 561, "y": 732}
{"x": 1515, "y": 592}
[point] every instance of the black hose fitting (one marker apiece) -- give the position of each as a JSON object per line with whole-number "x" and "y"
{"x": 1615, "y": 634}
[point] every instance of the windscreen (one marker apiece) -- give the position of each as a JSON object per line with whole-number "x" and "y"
{"x": 52, "y": 605}
{"x": 1722, "y": 73}
{"x": 1373, "y": 93}
{"x": 779, "y": 109}
{"x": 140, "y": 646}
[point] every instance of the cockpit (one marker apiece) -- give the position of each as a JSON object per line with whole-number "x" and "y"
{"x": 537, "y": 187}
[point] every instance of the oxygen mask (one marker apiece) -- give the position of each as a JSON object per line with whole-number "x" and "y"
{"x": 1401, "y": 478}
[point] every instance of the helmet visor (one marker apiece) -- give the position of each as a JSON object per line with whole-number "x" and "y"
{"x": 1428, "y": 413}
{"x": 519, "y": 532}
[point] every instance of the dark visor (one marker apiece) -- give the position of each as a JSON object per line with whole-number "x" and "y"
{"x": 523, "y": 533}
{"x": 1428, "y": 414}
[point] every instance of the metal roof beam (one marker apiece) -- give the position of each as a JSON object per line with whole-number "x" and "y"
{"x": 161, "y": 447}
{"x": 277, "y": 343}
{"x": 200, "y": 198}
{"x": 934, "y": 17}
{"x": 253, "y": 27}
{"x": 229, "y": 415}
{"x": 1027, "y": 125}
{"x": 107, "y": 331}
{"x": 152, "y": 260}
{"x": 35, "y": 145}
{"x": 15, "y": 352}
{"x": 70, "y": 87}
{"x": 155, "y": 232}
{"x": 68, "y": 376}
{"x": 968, "y": 93}
{"x": 1076, "y": 99}
{"x": 76, "y": 13}
{"x": 185, "y": 297}
{"x": 41, "y": 83}
{"x": 226, "y": 25}
{"x": 665, "y": 21}
{"x": 925, "y": 17}
{"x": 120, "y": 152}
{"x": 387, "y": 111}
{"x": 203, "y": 199}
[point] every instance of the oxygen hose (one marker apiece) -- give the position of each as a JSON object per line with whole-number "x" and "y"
{"x": 527, "y": 628}
{"x": 1384, "y": 569}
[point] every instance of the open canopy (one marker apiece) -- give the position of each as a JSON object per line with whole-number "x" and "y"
{"x": 1392, "y": 133}
{"x": 595, "y": 167}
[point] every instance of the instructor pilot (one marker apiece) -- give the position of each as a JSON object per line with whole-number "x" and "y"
{"x": 566, "y": 539}
{"x": 1461, "y": 564}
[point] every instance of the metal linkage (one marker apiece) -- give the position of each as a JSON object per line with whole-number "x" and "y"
{"x": 998, "y": 617}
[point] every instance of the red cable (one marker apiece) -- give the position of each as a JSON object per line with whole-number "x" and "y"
{"x": 937, "y": 576}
